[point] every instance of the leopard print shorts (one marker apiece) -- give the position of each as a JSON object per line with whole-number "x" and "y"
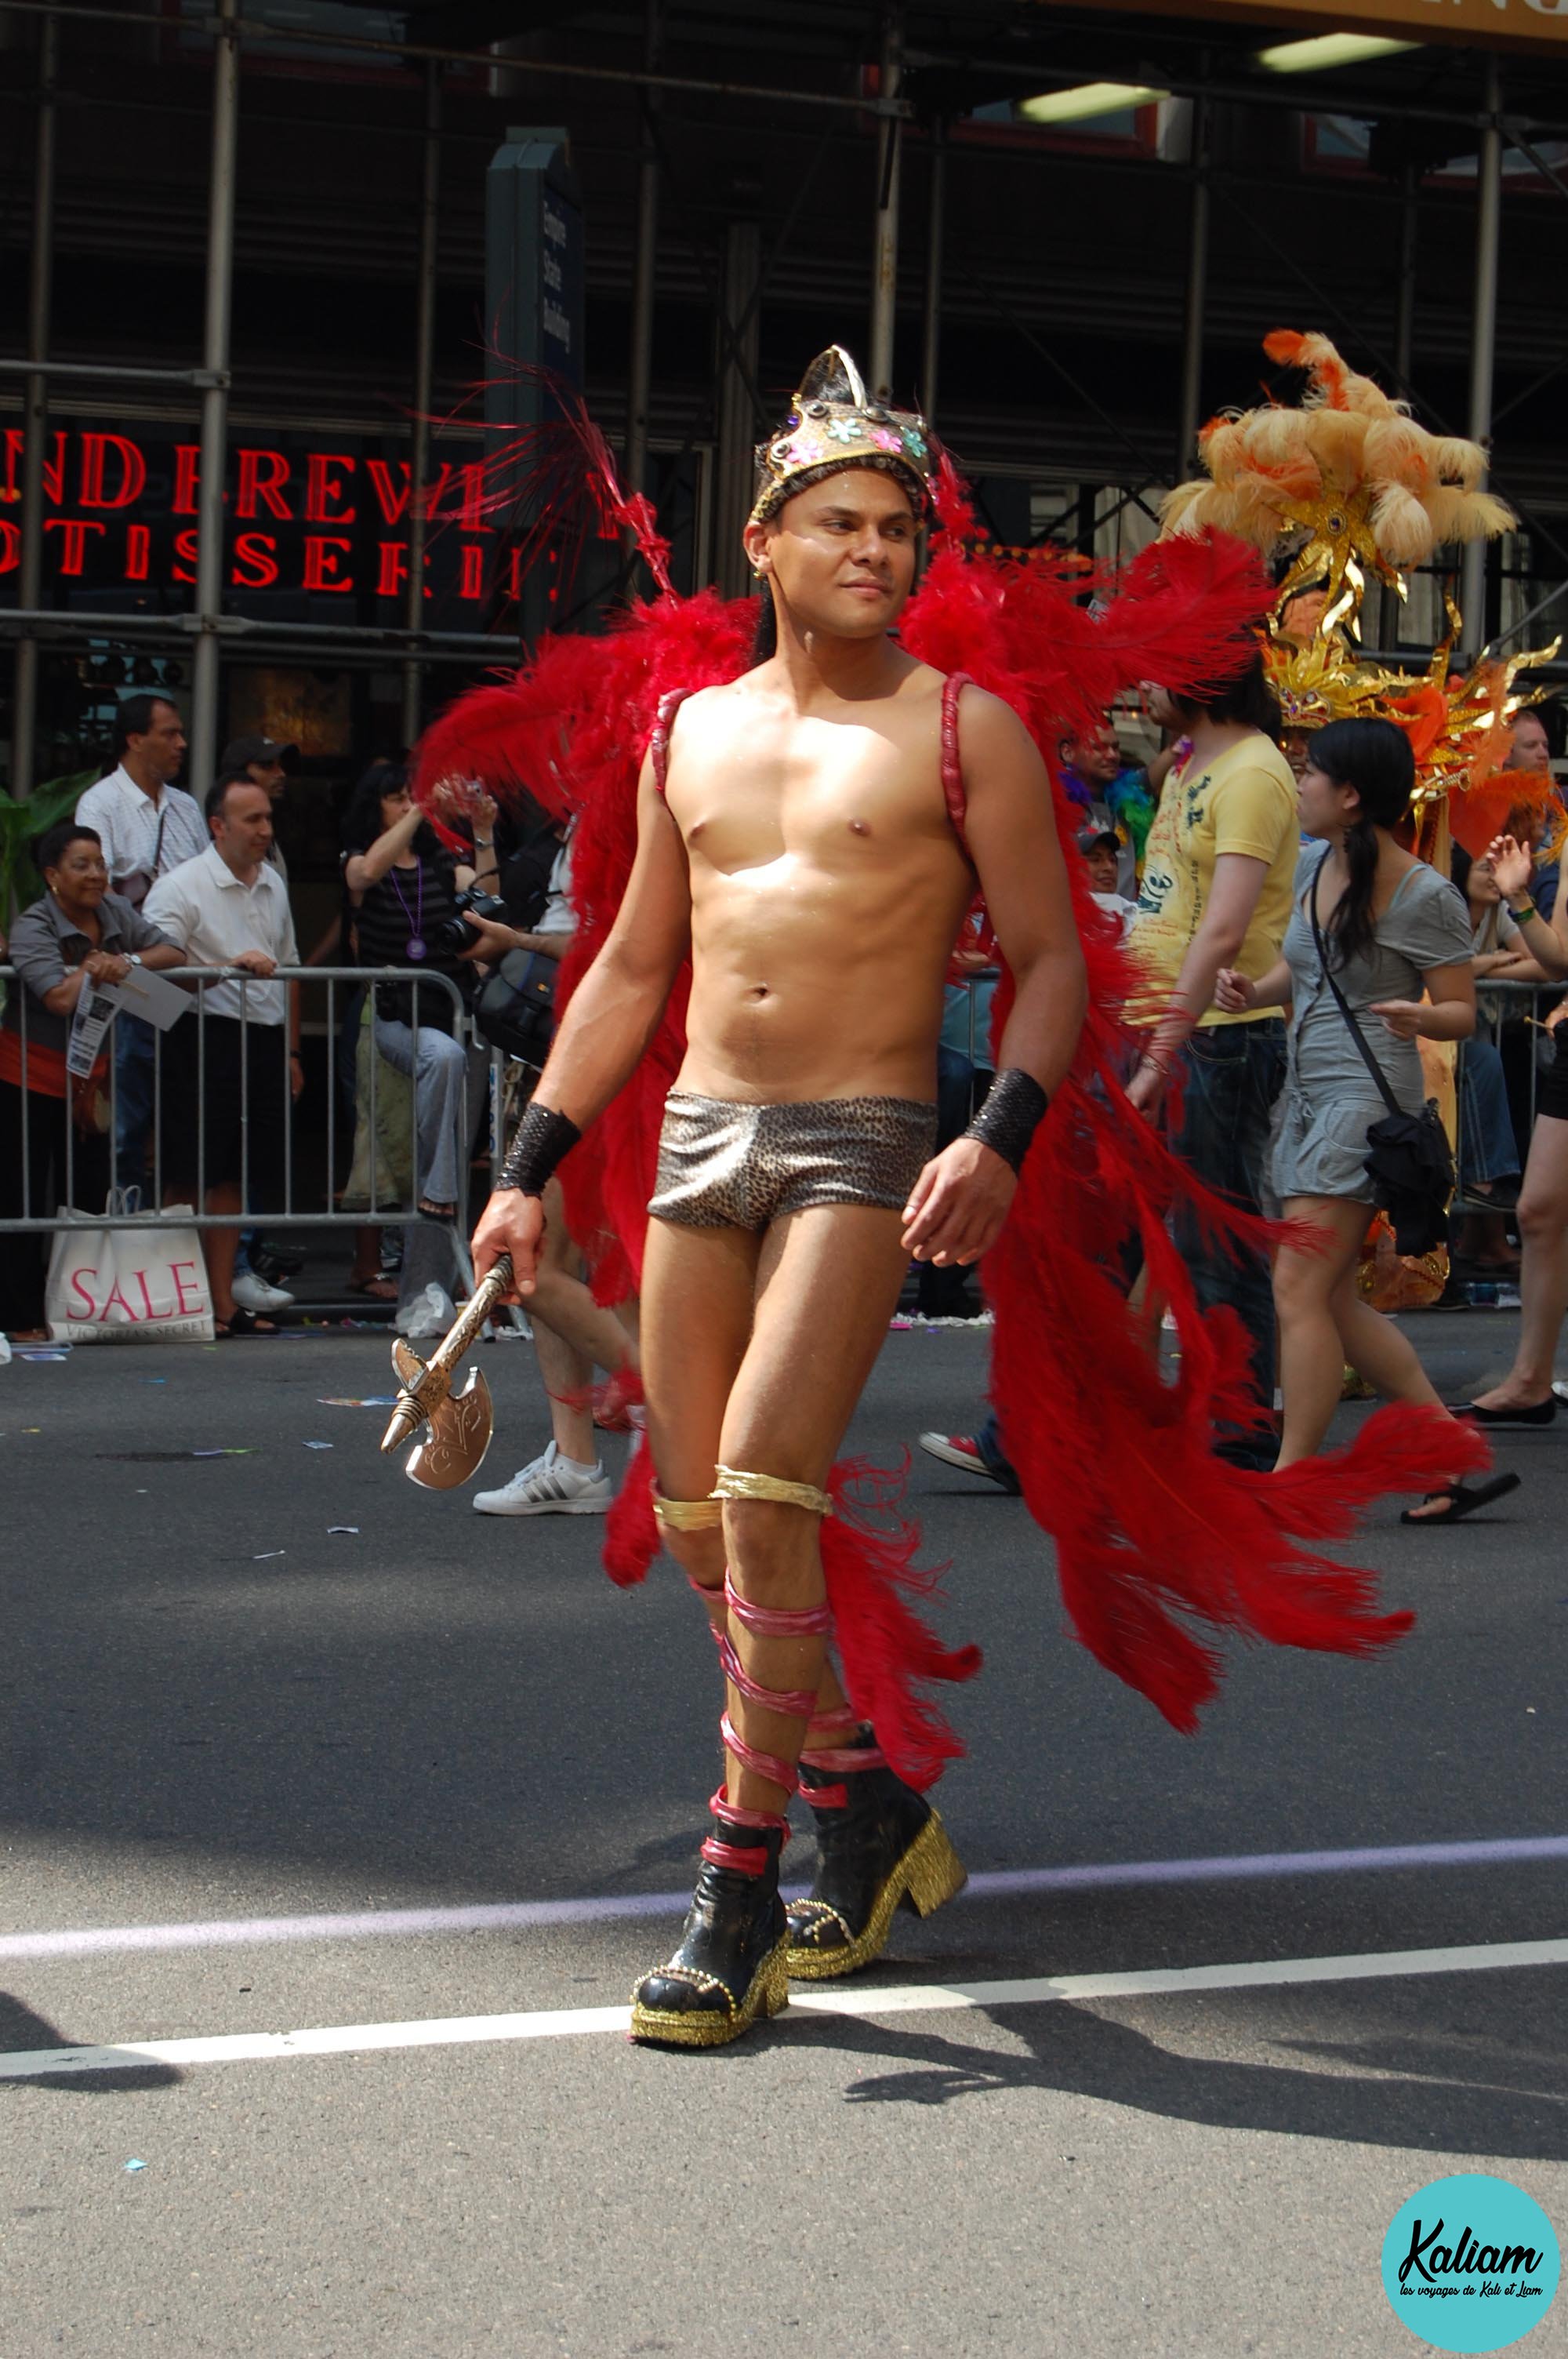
{"x": 725, "y": 1164}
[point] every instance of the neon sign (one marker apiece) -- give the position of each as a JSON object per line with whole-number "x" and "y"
{"x": 322, "y": 523}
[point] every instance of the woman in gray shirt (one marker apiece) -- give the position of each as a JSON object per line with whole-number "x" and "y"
{"x": 1398, "y": 942}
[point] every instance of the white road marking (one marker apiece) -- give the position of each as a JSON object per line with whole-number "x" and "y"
{"x": 909, "y": 1998}
{"x": 498, "y": 1916}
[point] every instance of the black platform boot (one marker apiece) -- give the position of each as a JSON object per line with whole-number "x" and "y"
{"x": 879, "y": 1844}
{"x": 729, "y": 1968}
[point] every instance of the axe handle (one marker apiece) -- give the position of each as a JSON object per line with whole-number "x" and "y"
{"x": 496, "y": 1282}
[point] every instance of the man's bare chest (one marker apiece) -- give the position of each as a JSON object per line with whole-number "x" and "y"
{"x": 835, "y": 797}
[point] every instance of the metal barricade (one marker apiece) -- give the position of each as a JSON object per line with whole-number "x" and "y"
{"x": 191, "y": 1040}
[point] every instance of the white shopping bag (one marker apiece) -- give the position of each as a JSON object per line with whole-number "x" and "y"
{"x": 142, "y": 1282}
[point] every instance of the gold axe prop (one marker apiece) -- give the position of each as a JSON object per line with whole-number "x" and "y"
{"x": 459, "y": 1425}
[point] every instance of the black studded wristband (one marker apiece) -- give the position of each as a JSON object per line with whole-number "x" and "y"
{"x": 1010, "y": 1116}
{"x": 542, "y": 1139}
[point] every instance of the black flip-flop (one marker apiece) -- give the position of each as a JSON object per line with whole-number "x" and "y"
{"x": 242, "y": 1322}
{"x": 1541, "y": 1413}
{"x": 1466, "y": 1497}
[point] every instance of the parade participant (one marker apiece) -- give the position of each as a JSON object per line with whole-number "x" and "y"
{"x": 797, "y": 827}
{"x": 808, "y": 834}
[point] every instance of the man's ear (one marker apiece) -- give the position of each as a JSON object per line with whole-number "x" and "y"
{"x": 757, "y": 541}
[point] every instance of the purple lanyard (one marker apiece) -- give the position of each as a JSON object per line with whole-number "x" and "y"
{"x": 416, "y": 944}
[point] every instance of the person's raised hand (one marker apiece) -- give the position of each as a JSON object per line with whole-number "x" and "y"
{"x": 1512, "y": 866}
{"x": 511, "y": 1224}
{"x": 1403, "y": 1016}
{"x": 957, "y": 1205}
{"x": 1233, "y": 991}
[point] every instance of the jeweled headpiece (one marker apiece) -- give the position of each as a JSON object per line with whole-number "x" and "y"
{"x": 832, "y": 424}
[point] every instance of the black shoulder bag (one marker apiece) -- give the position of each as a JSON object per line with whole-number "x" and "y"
{"x": 1409, "y": 1161}
{"x": 515, "y": 1011}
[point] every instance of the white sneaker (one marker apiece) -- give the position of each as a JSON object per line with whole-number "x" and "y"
{"x": 551, "y": 1486}
{"x": 254, "y": 1293}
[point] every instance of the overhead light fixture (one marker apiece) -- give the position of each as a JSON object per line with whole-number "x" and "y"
{"x": 1090, "y": 98}
{"x": 1326, "y": 50}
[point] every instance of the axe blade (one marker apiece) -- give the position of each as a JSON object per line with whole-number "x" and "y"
{"x": 460, "y": 1431}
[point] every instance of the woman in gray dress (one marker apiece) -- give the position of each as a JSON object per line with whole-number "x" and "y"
{"x": 1393, "y": 930}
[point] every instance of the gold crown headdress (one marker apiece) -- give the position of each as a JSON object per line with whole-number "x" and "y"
{"x": 824, "y": 432}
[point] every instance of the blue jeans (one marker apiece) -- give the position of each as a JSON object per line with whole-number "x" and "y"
{"x": 133, "y": 1097}
{"x": 1232, "y": 1073}
{"x": 1487, "y": 1148}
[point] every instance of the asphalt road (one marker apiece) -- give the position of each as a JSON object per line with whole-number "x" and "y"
{"x": 217, "y": 1714}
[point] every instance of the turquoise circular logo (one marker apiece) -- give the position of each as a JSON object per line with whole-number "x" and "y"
{"x": 1470, "y": 2263}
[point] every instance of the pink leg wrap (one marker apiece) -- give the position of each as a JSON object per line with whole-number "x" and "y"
{"x": 799, "y": 1702}
{"x": 746, "y": 1859}
{"x": 842, "y": 1760}
{"x": 772, "y": 1765}
{"x": 779, "y": 1622}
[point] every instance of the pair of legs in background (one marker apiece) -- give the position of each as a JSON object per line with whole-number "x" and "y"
{"x": 1323, "y": 1322}
{"x": 1525, "y": 1395}
{"x": 573, "y": 1334}
{"x": 756, "y": 1346}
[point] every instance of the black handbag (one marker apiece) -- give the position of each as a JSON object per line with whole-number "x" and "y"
{"x": 516, "y": 1009}
{"x": 1409, "y": 1161}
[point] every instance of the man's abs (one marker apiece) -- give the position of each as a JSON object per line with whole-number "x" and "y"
{"x": 804, "y": 990}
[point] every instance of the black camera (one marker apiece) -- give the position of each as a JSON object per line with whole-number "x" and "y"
{"x": 455, "y": 933}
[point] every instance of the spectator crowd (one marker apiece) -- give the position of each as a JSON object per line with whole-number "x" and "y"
{"x": 1290, "y": 955}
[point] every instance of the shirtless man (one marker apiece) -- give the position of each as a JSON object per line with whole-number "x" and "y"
{"x": 794, "y": 833}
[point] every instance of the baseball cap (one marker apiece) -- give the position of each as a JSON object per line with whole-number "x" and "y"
{"x": 244, "y": 750}
{"x": 1097, "y": 839}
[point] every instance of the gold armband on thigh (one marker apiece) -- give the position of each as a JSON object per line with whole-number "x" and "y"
{"x": 688, "y": 1515}
{"x": 732, "y": 1483}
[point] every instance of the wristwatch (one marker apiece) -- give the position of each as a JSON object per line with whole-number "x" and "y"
{"x": 133, "y": 958}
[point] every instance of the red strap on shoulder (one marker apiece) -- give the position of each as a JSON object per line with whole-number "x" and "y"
{"x": 659, "y": 743}
{"x": 952, "y": 764}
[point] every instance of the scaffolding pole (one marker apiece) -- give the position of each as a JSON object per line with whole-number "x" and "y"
{"x": 1391, "y": 604}
{"x": 424, "y": 390}
{"x": 35, "y": 412}
{"x": 1483, "y": 335}
{"x": 935, "y": 238}
{"x": 739, "y": 344}
{"x": 885, "y": 254}
{"x": 640, "y": 366}
{"x": 215, "y": 398}
{"x": 1196, "y": 310}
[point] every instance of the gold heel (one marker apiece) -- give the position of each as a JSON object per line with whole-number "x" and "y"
{"x": 935, "y": 1873}
{"x": 929, "y": 1873}
{"x": 776, "y": 1994}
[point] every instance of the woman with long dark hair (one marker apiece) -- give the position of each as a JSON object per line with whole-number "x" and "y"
{"x": 1396, "y": 936}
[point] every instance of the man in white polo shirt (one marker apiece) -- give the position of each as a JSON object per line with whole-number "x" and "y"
{"x": 147, "y": 826}
{"x": 232, "y": 1067}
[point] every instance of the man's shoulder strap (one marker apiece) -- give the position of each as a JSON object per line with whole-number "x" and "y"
{"x": 953, "y": 791}
{"x": 659, "y": 743}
